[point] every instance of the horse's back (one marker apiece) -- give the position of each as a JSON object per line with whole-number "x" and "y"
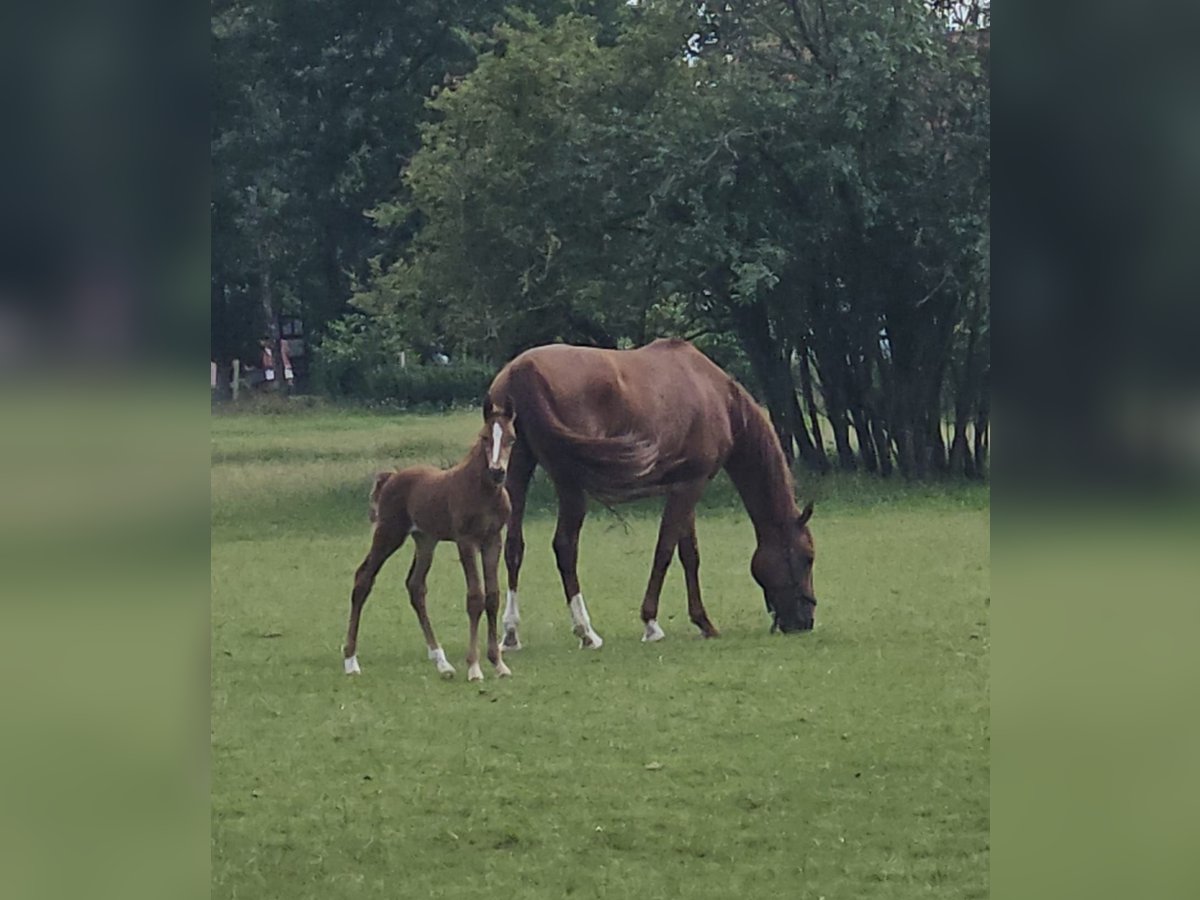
{"x": 613, "y": 391}
{"x": 666, "y": 397}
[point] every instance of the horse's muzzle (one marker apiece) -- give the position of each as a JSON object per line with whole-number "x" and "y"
{"x": 792, "y": 627}
{"x": 497, "y": 475}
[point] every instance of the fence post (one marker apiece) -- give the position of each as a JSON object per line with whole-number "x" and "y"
{"x": 237, "y": 377}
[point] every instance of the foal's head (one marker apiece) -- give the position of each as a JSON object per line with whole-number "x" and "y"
{"x": 783, "y": 567}
{"x": 497, "y": 437}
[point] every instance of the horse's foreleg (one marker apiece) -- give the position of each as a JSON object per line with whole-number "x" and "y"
{"x": 491, "y": 601}
{"x": 466, "y": 555}
{"x": 689, "y": 556}
{"x": 386, "y": 540}
{"x": 422, "y": 560}
{"x": 572, "y": 508}
{"x": 520, "y": 470}
{"x": 678, "y": 516}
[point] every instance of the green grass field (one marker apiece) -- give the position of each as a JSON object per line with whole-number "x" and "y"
{"x": 851, "y": 762}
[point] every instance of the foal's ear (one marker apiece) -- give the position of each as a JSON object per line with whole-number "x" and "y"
{"x": 805, "y": 515}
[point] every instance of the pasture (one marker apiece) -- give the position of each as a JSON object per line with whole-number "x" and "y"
{"x": 850, "y": 762}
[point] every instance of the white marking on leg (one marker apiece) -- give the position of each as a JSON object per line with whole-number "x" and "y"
{"x": 512, "y": 618}
{"x": 502, "y": 671}
{"x": 653, "y": 632}
{"x": 351, "y": 663}
{"x": 583, "y": 625}
{"x": 497, "y": 434}
{"x": 474, "y": 673}
{"x": 438, "y": 655}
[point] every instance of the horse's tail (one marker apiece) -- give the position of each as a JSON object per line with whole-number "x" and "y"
{"x": 609, "y": 467}
{"x": 381, "y": 478}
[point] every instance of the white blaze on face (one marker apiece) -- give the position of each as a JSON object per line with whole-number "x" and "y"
{"x": 497, "y": 434}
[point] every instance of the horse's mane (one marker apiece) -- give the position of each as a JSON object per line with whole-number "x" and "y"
{"x": 757, "y": 463}
{"x": 612, "y": 468}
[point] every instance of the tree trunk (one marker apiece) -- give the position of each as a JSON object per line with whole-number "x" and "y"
{"x": 806, "y": 387}
{"x": 841, "y": 439}
{"x": 962, "y": 462}
{"x": 273, "y": 329}
{"x": 883, "y": 450}
{"x": 866, "y": 447}
{"x": 774, "y": 374}
{"x": 982, "y": 443}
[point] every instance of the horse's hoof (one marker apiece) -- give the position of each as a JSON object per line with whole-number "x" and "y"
{"x": 447, "y": 673}
{"x": 653, "y": 632}
{"x": 503, "y": 671}
{"x": 351, "y": 664}
{"x": 511, "y": 641}
{"x": 474, "y": 673}
{"x": 591, "y": 641}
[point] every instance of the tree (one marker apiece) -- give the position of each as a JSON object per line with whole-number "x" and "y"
{"x": 316, "y": 111}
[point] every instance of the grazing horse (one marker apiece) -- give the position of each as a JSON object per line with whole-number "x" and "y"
{"x": 467, "y": 505}
{"x": 662, "y": 419}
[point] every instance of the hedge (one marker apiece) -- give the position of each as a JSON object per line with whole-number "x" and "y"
{"x": 457, "y": 384}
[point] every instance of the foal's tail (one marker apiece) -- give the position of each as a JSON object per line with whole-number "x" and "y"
{"x": 381, "y": 478}
{"x": 609, "y": 467}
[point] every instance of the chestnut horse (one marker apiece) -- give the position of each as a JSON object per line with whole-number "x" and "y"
{"x": 662, "y": 419}
{"x": 467, "y": 505}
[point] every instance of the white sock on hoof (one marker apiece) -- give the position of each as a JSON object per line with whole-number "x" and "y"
{"x": 351, "y": 664}
{"x": 512, "y": 619}
{"x": 474, "y": 673}
{"x": 582, "y": 625}
{"x": 653, "y": 632}
{"x": 443, "y": 665}
{"x": 502, "y": 671}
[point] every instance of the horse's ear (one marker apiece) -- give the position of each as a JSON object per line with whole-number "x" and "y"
{"x": 805, "y": 515}
{"x": 510, "y": 411}
{"x": 487, "y": 406}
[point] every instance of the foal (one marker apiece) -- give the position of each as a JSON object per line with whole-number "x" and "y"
{"x": 467, "y": 505}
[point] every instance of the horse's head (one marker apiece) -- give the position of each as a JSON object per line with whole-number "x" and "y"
{"x": 498, "y": 437}
{"x": 783, "y": 567}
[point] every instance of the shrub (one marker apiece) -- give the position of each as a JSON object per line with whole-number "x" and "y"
{"x": 360, "y": 359}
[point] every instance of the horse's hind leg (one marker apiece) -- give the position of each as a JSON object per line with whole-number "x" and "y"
{"x": 572, "y": 507}
{"x": 422, "y": 560}
{"x": 520, "y": 470}
{"x": 491, "y": 602}
{"x": 386, "y": 540}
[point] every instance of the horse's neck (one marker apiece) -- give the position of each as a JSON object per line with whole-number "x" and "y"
{"x": 758, "y": 470}
{"x": 473, "y": 470}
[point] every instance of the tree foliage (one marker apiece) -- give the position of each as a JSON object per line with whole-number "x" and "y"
{"x": 811, "y": 181}
{"x": 801, "y": 187}
{"x": 316, "y": 112}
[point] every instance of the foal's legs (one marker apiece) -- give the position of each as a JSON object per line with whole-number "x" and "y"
{"x": 466, "y": 555}
{"x": 572, "y": 507}
{"x": 385, "y": 541}
{"x": 491, "y": 601}
{"x": 422, "y": 560}
{"x": 520, "y": 470}
{"x": 678, "y": 522}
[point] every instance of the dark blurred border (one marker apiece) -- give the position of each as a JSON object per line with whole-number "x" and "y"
{"x": 1097, "y": 448}
{"x": 103, "y": 449}
{"x": 103, "y": 184}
